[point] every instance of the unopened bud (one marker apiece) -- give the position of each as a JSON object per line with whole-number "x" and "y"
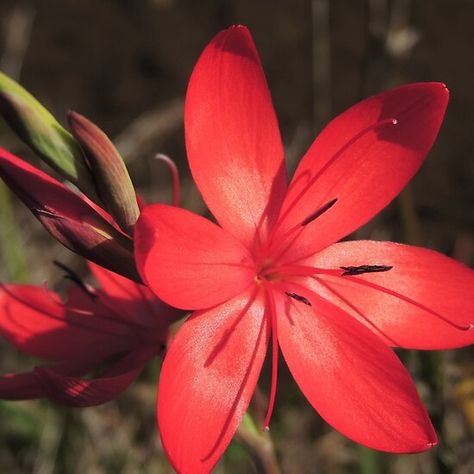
{"x": 43, "y": 134}
{"x": 113, "y": 182}
{"x": 70, "y": 219}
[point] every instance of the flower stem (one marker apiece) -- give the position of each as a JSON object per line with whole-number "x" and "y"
{"x": 411, "y": 224}
{"x": 370, "y": 461}
{"x": 259, "y": 444}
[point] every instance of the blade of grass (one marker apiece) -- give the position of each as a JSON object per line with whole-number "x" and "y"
{"x": 15, "y": 266}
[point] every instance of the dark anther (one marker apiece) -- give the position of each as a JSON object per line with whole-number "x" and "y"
{"x": 297, "y": 297}
{"x": 365, "y": 269}
{"x": 74, "y": 277}
{"x": 320, "y": 211}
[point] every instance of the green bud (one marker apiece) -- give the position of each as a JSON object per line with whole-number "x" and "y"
{"x": 43, "y": 134}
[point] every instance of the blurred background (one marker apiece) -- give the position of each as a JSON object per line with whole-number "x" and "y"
{"x": 125, "y": 65}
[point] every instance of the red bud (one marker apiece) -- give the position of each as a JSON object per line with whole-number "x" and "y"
{"x": 68, "y": 217}
{"x": 113, "y": 182}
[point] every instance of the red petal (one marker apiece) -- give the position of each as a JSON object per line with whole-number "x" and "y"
{"x": 188, "y": 261}
{"x": 232, "y": 137}
{"x": 132, "y": 300}
{"x": 68, "y": 390}
{"x": 27, "y": 385}
{"x": 22, "y": 386}
{"x": 117, "y": 286}
{"x": 423, "y": 302}
{"x": 37, "y": 323}
{"x": 207, "y": 380}
{"x": 352, "y": 379}
{"x": 363, "y": 160}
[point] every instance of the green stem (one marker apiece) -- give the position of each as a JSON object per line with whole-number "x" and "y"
{"x": 370, "y": 461}
{"x": 411, "y": 224}
{"x": 15, "y": 264}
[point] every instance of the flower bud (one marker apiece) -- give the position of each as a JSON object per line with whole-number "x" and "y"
{"x": 71, "y": 220}
{"x": 113, "y": 182}
{"x": 35, "y": 126}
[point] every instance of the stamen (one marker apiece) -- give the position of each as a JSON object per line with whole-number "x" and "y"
{"x": 74, "y": 277}
{"x": 297, "y": 297}
{"x": 319, "y": 212}
{"x": 344, "y": 148}
{"x": 299, "y": 227}
{"x": 354, "y": 308}
{"x": 273, "y": 385}
{"x": 82, "y": 323}
{"x": 116, "y": 317}
{"x": 228, "y": 333}
{"x": 296, "y": 270}
{"x": 359, "y": 270}
{"x": 406, "y": 299}
{"x": 174, "y": 176}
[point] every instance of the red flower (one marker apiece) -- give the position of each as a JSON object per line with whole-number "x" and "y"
{"x": 122, "y": 324}
{"x": 271, "y": 270}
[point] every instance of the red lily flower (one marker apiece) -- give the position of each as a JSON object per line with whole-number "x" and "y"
{"x": 271, "y": 269}
{"x": 122, "y": 324}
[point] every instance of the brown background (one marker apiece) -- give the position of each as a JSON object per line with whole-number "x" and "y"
{"x": 125, "y": 65}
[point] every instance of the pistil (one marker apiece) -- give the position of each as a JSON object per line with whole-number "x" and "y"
{"x": 274, "y": 380}
{"x": 174, "y": 176}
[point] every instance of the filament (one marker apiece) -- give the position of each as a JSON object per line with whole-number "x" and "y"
{"x": 332, "y": 160}
{"x": 357, "y": 310}
{"x": 53, "y": 297}
{"x": 298, "y": 228}
{"x": 369, "y": 284}
{"x": 74, "y": 277}
{"x": 114, "y": 318}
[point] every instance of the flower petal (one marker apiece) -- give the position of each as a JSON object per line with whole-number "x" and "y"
{"x": 117, "y": 286}
{"x": 27, "y": 385}
{"x": 23, "y": 386}
{"x": 74, "y": 391}
{"x": 133, "y": 300}
{"x": 39, "y": 324}
{"x": 232, "y": 137}
{"x": 188, "y": 261}
{"x": 207, "y": 380}
{"x": 363, "y": 160}
{"x": 355, "y": 382}
{"x": 426, "y": 301}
